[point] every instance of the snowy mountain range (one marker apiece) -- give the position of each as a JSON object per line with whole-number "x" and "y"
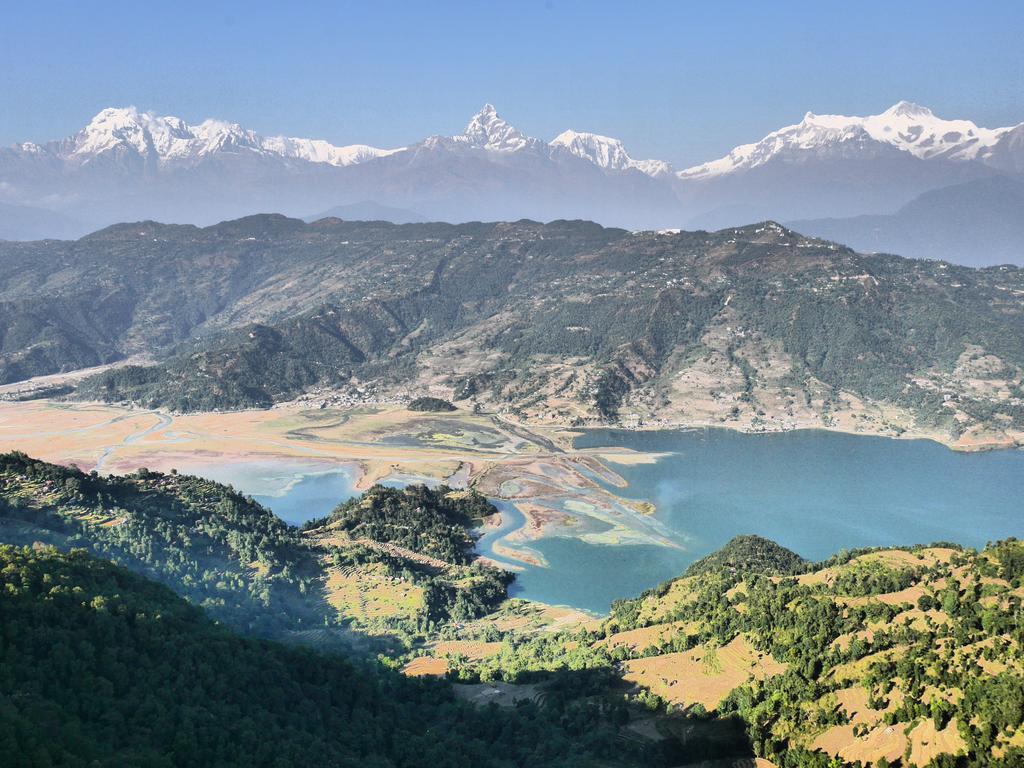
{"x": 905, "y": 126}
{"x": 167, "y": 140}
{"x": 128, "y": 164}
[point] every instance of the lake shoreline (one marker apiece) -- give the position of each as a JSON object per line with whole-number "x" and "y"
{"x": 978, "y": 441}
{"x": 1006, "y": 443}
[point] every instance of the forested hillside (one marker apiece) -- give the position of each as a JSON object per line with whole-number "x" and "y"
{"x": 433, "y": 522}
{"x": 101, "y": 667}
{"x": 210, "y": 544}
{"x": 887, "y": 657}
{"x": 235, "y": 558}
{"x": 749, "y": 554}
{"x": 756, "y": 327}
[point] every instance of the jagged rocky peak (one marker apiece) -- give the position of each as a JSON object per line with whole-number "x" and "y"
{"x": 486, "y": 129}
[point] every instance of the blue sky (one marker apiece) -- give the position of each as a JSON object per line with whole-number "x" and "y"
{"x": 678, "y": 81}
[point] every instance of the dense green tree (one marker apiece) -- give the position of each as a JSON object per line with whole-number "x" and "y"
{"x": 101, "y": 667}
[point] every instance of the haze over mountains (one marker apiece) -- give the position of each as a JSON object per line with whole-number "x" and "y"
{"x": 130, "y": 165}
{"x": 979, "y": 221}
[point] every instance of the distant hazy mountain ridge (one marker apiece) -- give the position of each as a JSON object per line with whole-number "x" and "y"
{"x": 977, "y": 222}
{"x": 905, "y": 126}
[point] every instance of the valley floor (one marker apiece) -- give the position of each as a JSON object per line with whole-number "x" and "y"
{"x": 551, "y": 486}
{"x": 539, "y": 472}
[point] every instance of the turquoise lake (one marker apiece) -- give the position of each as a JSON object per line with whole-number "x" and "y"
{"x": 296, "y": 491}
{"x": 815, "y": 492}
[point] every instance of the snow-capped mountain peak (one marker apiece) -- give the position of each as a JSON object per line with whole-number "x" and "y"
{"x": 918, "y": 130}
{"x": 606, "y": 152}
{"x": 320, "y": 151}
{"x": 905, "y": 126}
{"x": 143, "y": 132}
{"x": 169, "y": 139}
{"x": 908, "y": 109}
{"x": 600, "y": 150}
{"x": 128, "y": 163}
{"x": 487, "y": 130}
{"x": 212, "y": 136}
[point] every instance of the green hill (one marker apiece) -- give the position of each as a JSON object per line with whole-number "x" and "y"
{"x": 914, "y": 657}
{"x": 235, "y": 558}
{"x": 756, "y": 327}
{"x": 99, "y": 667}
{"x": 219, "y": 549}
{"x": 749, "y": 554}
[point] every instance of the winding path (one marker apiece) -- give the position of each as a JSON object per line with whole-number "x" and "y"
{"x": 162, "y": 422}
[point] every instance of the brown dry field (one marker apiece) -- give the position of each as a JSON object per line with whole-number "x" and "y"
{"x": 687, "y": 678}
{"x": 501, "y": 458}
{"x": 528, "y": 618}
{"x": 852, "y": 671}
{"x": 654, "y": 610}
{"x": 646, "y": 637}
{"x": 368, "y": 593}
{"x": 891, "y": 742}
{"x": 81, "y": 432}
{"x": 892, "y": 558}
{"x": 472, "y": 650}
{"x": 425, "y": 666}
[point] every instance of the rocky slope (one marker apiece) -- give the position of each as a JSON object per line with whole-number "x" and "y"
{"x": 756, "y": 327}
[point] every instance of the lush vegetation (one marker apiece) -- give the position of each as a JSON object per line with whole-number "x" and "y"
{"x": 226, "y": 553}
{"x": 749, "y": 554}
{"x": 602, "y": 316}
{"x": 99, "y": 667}
{"x": 425, "y": 535}
{"x": 931, "y": 634}
{"x": 913, "y": 656}
{"x": 432, "y": 521}
{"x": 219, "y": 549}
{"x": 431, "y": 404}
{"x": 874, "y": 657}
{"x": 321, "y": 347}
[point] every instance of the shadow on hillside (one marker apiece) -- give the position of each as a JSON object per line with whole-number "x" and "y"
{"x": 668, "y": 740}
{"x": 706, "y": 742}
